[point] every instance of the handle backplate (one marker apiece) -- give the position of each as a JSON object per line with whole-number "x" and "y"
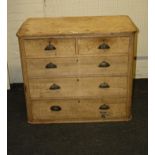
{"x": 104, "y": 46}
{"x": 54, "y": 87}
{"x": 104, "y": 85}
{"x": 50, "y": 47}
{"x": 55, "y": 108}
{"x": 104, "y": 64}
{"x": 104, "y": 107}
{"x": 50, "y": 65}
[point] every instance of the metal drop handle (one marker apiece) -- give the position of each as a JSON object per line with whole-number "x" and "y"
{"x": 104, "y": 85}
{"x": 54, "y": 87}
{"x": 104, "y": 46}
{"x": 50, "y": 65}
{"x": 104, "y": 64}
{"x": 50, "y": 47}
{"x": 104, "y": 107}
{"x": 55, "y": 108}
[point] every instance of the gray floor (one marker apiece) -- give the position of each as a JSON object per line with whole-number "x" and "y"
{"x": 120, "y": 138}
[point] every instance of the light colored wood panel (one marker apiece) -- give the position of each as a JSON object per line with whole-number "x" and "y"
{"x": 26, "y": 80}
{"x": 79, "y": 110}
{"x": 76, "y": 25}
{"x": 36, "y": 48}
{"x": 141, "y": 68}
{"x": 130, "y": 74}
{"x": 77, "y": 66}
{"x": 78, "y": 87}
{"x": 91, "y": 45}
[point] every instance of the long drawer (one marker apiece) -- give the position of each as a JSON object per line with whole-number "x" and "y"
{"x": 103, "y": 46}
{"x": 79, "y": 110}
{"x": 39, "y": 48}
{"x": 78, "y": 87}
{"x": 80, "y": 66}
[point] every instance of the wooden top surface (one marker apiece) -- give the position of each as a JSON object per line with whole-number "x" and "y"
{"x": 76, "y": 26}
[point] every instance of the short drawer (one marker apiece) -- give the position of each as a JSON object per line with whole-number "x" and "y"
{"x": 78, "y": 87}
{"x": 82, "y": 66}
{"x": 79, "y": 110}
{"x": 49, "y": 47}
{"x": 103, "y": 46}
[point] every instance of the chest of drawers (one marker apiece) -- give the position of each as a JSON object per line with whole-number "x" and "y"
{"x": 77, "y": 69}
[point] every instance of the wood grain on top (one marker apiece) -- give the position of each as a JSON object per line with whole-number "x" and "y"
{"x": 76, "y": 25}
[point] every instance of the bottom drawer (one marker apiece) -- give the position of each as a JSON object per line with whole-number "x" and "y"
{"x": 78, "y": 110}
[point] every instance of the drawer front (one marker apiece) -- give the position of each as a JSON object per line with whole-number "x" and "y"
{"x": 103, "y": 46}
{"x": 49, "y": 47}
{"x": 82, "y": 66}
{"x": 79, "y": 110}
{"x": 78, "y": 87}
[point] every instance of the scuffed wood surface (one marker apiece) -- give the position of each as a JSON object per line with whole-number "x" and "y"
{"x": 76, "y": 25}
{"x": 80, "y": 66}
{"x": 36, "y": 48}
{"x": 78, "y": 87}
{"x": 118, "y": 45}
{"x": 80, "y": 83}
{"x": 78, "y": 110}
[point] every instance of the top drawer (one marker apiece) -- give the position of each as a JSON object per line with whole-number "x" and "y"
{"x": 49, "y": 47}
{"x": 103, "y": 46}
